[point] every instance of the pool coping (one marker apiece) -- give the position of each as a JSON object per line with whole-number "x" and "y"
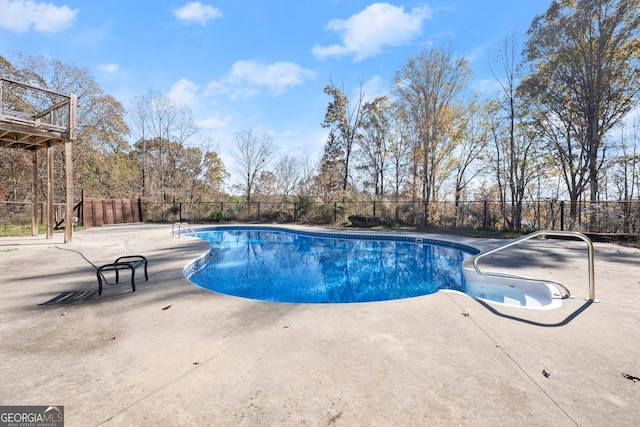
{"x": 531, "y": 300}
{"x": 408, "y": 236}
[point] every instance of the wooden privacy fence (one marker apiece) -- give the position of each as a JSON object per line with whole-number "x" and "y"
{"x": 97, "y": 212}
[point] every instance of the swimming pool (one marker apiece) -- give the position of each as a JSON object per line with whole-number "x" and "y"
{"x": 285, "y": 265}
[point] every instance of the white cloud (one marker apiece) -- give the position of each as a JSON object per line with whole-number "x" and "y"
{"x": 374, "y": 87}
{"x": 488, "y": 87}
{"x": 22, "y": 15}
{"x": 184, "y": 92}
{"x": 109, "y": 68}
{"x": 197, "y": 12}
{"x": 211, "y": 123}
{"x": 366, "y": 33}
{"x": 246, "y": 78}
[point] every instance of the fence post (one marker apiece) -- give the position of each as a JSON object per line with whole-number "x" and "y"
{"x": 485, "y": 220}
{"x": 562, "y": 215}
{"x": 335, "y": 211}
{"x": 295, "y": 211}
{"x": 626, "y": 210}
{"x": 180, "y": 211}
{"x": 580, "y": 209}
{"x": 258, "y": 211}
{"x": 374, "y": 208}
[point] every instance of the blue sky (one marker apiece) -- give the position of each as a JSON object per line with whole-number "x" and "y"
{"x": 259, "y": 64}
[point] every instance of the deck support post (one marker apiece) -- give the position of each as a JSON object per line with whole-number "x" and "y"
{"x": 50, "y": 207}
{"x": 34, "y": 193}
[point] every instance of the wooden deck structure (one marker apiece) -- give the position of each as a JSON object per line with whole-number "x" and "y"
{"x": 33, "y": 118}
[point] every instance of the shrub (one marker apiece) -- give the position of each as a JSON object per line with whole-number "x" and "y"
{"x": 218, "y": 216}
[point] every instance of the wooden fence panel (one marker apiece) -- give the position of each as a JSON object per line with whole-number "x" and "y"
{"x": 127, "y": 214}
{"x": 97, "y": 212}
{"x": 108, "y": 211}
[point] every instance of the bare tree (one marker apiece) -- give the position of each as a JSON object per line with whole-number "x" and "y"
{"x": 306, "y": 185}
{"x": 474, "y": 135}
{"x": 586, "y": 52}
{"x": 374, "y": 144}
{"x": 402, "y": 137}
{"x": 252, "y": 155}
{"x": 514, "y": 148}
{"x": 288, "y": 171}
{"x": 429, "y": 86}
{"x": 343, "y": 119}
{"x": 624, "y": 172}
{"x": 164, "y": 129}
{"x": 140, "y": 116}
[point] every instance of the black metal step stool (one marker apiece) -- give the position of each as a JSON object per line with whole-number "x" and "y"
{"x": 130, "y": 262}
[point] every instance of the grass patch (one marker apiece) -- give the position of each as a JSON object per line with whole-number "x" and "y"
{"x": 10, "y": 230}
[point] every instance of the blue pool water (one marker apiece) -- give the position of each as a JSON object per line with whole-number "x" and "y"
{"x": 305, "y": 267}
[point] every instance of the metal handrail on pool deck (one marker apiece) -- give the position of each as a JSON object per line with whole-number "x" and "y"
{"x": 187, "y": 228}
{"x": 592, "y": 290}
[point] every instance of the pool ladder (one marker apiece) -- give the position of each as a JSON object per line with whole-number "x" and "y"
{"x": 187, "y": 228}
{"x": 575, "y": 234}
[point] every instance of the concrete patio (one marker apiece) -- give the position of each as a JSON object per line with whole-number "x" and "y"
{"x": 175, "y": 354}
